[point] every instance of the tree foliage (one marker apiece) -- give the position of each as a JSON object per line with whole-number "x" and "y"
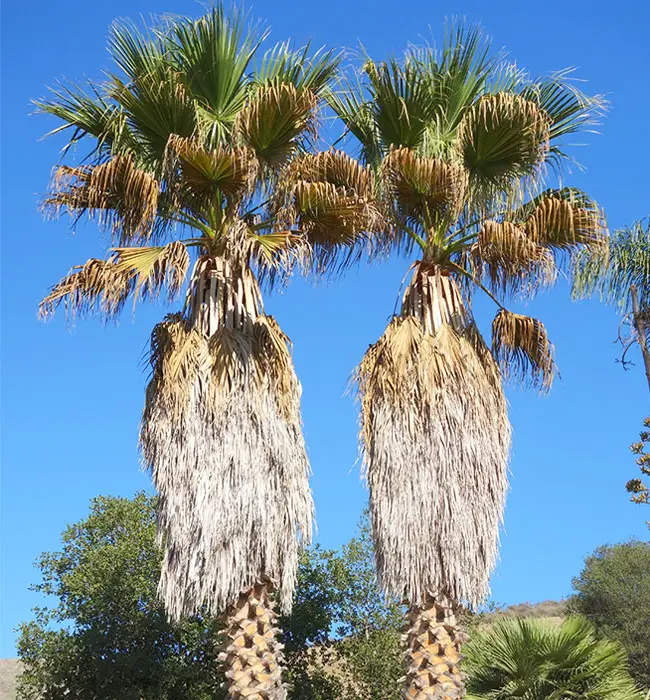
{"x": 102, "y": 632}
{"x": 613, "y": 592}
{"x": 637, "y": 487}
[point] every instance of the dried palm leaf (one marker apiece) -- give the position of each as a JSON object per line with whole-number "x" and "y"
{"x": 204, "y": 172}
{"x": 436, "y": 500}
{"x": 97, "y": 286}
{"x": 564, "y": 224}
{"x": 118, "y": 194}
{"x": 510, "y": 260}
{"x": 104, "y": 285}
{"x": 221, "y": 434}
{"x": 503, "y": 137}
{"x": 335, "y": 167}
{"x": 274, "y": 119}
{"x": 521, "y": 347}
{"x": 424, "y": 188}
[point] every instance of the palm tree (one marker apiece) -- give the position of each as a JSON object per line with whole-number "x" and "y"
{"x": 540, "y": 660}
{"x": 621, "y": 275}
{"x": 460, "y": 146}
{"x": 187, "y": 146}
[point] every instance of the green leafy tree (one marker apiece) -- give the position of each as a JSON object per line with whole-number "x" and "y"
{"x": 460, "y": 146}
{"x": 637, "y": 487}
{"x": 103, "y": 633}
{"x": 536, "y": 660}
{"x": 187, "y": 140}
{"x": 613, "y": 593}
{"x": 107, "y": 636}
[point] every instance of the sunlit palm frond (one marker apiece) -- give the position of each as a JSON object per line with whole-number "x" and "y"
{"x": 214, "y": 54}
{"x": 206, "y": 172}
{"x": 401, "y": 102}
{"x": 521, "y": 347}
{"x": 569, "y": 108}
{"x": 283, "y": 64}
{"x": 274, "y": 121}
{"x": 565, "y": 220}
{"x": 119, "y": 195}
{"x": 425, "y": 190}
{"x": 503, "y": 138}
{"x": 511, "y": 261}
{"x": 538, "y": 659}
{"x": 88, "y": 113}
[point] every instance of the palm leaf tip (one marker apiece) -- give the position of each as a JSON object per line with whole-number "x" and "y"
{"x": 521, "y": 346}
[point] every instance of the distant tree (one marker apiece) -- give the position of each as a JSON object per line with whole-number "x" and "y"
{"x": 539, "y": 660}
{"x": 613, "y": 593}
{"x": 637, "y": 487}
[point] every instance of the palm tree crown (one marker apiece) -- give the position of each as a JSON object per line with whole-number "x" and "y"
{"x": 189, "y": 141}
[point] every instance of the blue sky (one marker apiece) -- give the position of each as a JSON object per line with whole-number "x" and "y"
{"x": 71, "y": 398}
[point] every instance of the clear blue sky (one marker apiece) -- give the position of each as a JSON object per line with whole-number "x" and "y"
{"x": 71, "y": 399}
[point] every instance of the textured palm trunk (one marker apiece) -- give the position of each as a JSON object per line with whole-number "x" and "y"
{"x": 253, "y": 655}
{"x": 432, "y": 645}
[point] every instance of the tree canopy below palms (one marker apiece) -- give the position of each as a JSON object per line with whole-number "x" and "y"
{"x": 188, "y": 141}
{"x": 461, "y": 147}
{"x": 537, "y": 660}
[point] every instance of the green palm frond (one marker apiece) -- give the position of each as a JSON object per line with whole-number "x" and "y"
{"x": 88, "y": 113}
{"x": 214, "y": 54}
{"x": 538, "y": 659}
{"x": 283, "y": 64}
{"x": 613, "y": 270}
{"x": 275, "y": 121}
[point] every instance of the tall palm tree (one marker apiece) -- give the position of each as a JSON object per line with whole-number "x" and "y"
{"x": 460, "y": 146}
{"x": 188, "y": 142}
{"x": 620, "y": 273}
{"x": 540, "y": 660}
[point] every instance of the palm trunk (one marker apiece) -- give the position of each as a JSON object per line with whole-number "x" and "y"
{"x": 432, "y": 644}
{"x": 639, "y": 326}
{"x": 253, "y": 655}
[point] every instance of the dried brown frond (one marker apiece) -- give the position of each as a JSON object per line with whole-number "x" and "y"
{"x": 118, "y": 194}
{"x": 221, "y": 434}
{"x": 521, "y": 346}
{"x": 275, "y": 119}
{"x": 510, "y": 260}
{"x": 559, "y": 223}
{"x": 97, "y": 286}
{"x": 103, "y": 286}
{"x": 232, "y": 170}
{"x": 328, "y": 215}
{"x": 336, "y": 168}
{"x": 435, "y": 438}
{"x": 424, "y": 188}
{"x": 504, "y": 136}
